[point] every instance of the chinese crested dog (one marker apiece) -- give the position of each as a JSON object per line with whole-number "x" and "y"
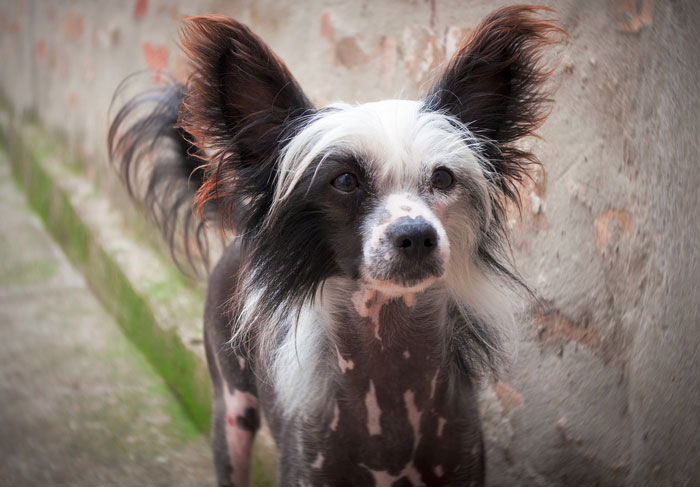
{"x": 367, "y": 286}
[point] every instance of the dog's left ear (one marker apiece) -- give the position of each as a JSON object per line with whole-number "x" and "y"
{"x": 494, "y": 86}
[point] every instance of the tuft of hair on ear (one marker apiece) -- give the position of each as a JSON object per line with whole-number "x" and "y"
{"x": 241, "y": 105}
{"x": 494, "y": 85}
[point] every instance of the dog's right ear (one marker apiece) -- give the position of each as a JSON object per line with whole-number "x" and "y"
{"x": 241, "y": 104}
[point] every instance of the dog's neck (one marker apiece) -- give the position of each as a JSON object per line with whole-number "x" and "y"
{"x": 390, "y": 352}
{"x": 391, "y": 397}
{"x": 405, "y": 331}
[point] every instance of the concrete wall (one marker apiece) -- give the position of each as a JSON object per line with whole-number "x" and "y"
{"x": 604, "y": 386}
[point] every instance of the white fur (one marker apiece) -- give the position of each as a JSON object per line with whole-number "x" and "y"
{"x": 401, "y": 143}
{"x": 303, "y": 368}
{"x": 299, "y": 369}
{"x": 485, "y": 295}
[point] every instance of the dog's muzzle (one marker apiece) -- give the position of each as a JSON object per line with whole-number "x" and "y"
{"x": 408, "y": 248}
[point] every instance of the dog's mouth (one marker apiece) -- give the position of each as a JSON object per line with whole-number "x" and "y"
{"x": 394, "y": 289}
{"x": 391, "y": 267}
{"x": 394, "y": 277}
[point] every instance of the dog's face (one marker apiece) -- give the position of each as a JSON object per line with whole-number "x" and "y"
{"x": 398, "y": 191}
{"x": 395, "y": 195}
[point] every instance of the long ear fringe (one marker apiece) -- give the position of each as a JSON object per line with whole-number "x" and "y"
{"x": 239, "y": 98}
{"x": 495, "y": 85}
{"x": 159, "y": 165}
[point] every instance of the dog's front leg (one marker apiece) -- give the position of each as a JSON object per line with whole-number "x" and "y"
{"x": 235, "y": 416}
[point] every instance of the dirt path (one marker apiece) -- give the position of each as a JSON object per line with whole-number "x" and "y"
{"x": 79, "y": 405}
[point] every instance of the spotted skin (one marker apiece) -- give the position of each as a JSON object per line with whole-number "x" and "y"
{"x": 398, "y": 421}
{"x": 396, "y": 416}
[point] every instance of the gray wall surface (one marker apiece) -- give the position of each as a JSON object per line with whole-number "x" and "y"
{"x": 603, "y": 387}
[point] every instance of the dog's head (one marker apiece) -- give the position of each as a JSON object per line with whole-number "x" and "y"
{"x": 397, "y": 195}
{"x": 395, "y": 189}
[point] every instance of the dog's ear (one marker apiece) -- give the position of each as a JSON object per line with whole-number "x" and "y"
{"x": 494, "y": 86}
{"x": 241, "y": 103}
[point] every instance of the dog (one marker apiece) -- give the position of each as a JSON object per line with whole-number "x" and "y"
{"x": 364, "y": 295}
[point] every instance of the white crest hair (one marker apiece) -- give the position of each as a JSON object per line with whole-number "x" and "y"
{"x": 396, "y": 135}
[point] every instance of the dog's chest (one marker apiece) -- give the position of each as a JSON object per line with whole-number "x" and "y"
{"x": 393, "y": 419}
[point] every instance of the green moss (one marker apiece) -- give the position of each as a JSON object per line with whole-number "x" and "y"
{"x": 28, "y": 272}
{"x": 164, "y": 290}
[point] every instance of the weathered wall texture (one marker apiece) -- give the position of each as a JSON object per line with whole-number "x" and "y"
{"x": 603, "y": 388}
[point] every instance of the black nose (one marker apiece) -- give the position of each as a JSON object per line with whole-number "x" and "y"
{"x": 413, "y": 237}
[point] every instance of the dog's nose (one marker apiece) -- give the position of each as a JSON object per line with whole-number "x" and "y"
{"x": 413, "y": 237}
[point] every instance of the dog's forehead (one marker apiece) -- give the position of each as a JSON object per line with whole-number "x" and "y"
{"x": 397, "y": 142}
{"x": 395, "y": 139}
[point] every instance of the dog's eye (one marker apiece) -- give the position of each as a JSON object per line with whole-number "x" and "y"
{"x": 346, "y": 182}
{"x": 441, "y": 179}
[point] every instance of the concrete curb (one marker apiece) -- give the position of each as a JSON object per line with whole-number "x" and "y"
{"x": 158, "y": 311}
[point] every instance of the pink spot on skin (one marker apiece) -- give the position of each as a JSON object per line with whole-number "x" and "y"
{"x": 441, "y": 426}
{"x": 368, "y": 303}
{"x": 373, "y": 412}
{"x": 383, "y": 478}
{"x": 409, "y": 299}
{"x": 241, "y": 363}
{"x": 336, "y": 417}
{"x": 239, "y": 440}
{"x": 414, "y": 415}
{"x": 318, "y": 463}
{"x": 433, "y": 383}
{"x": 344, "y": 365}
